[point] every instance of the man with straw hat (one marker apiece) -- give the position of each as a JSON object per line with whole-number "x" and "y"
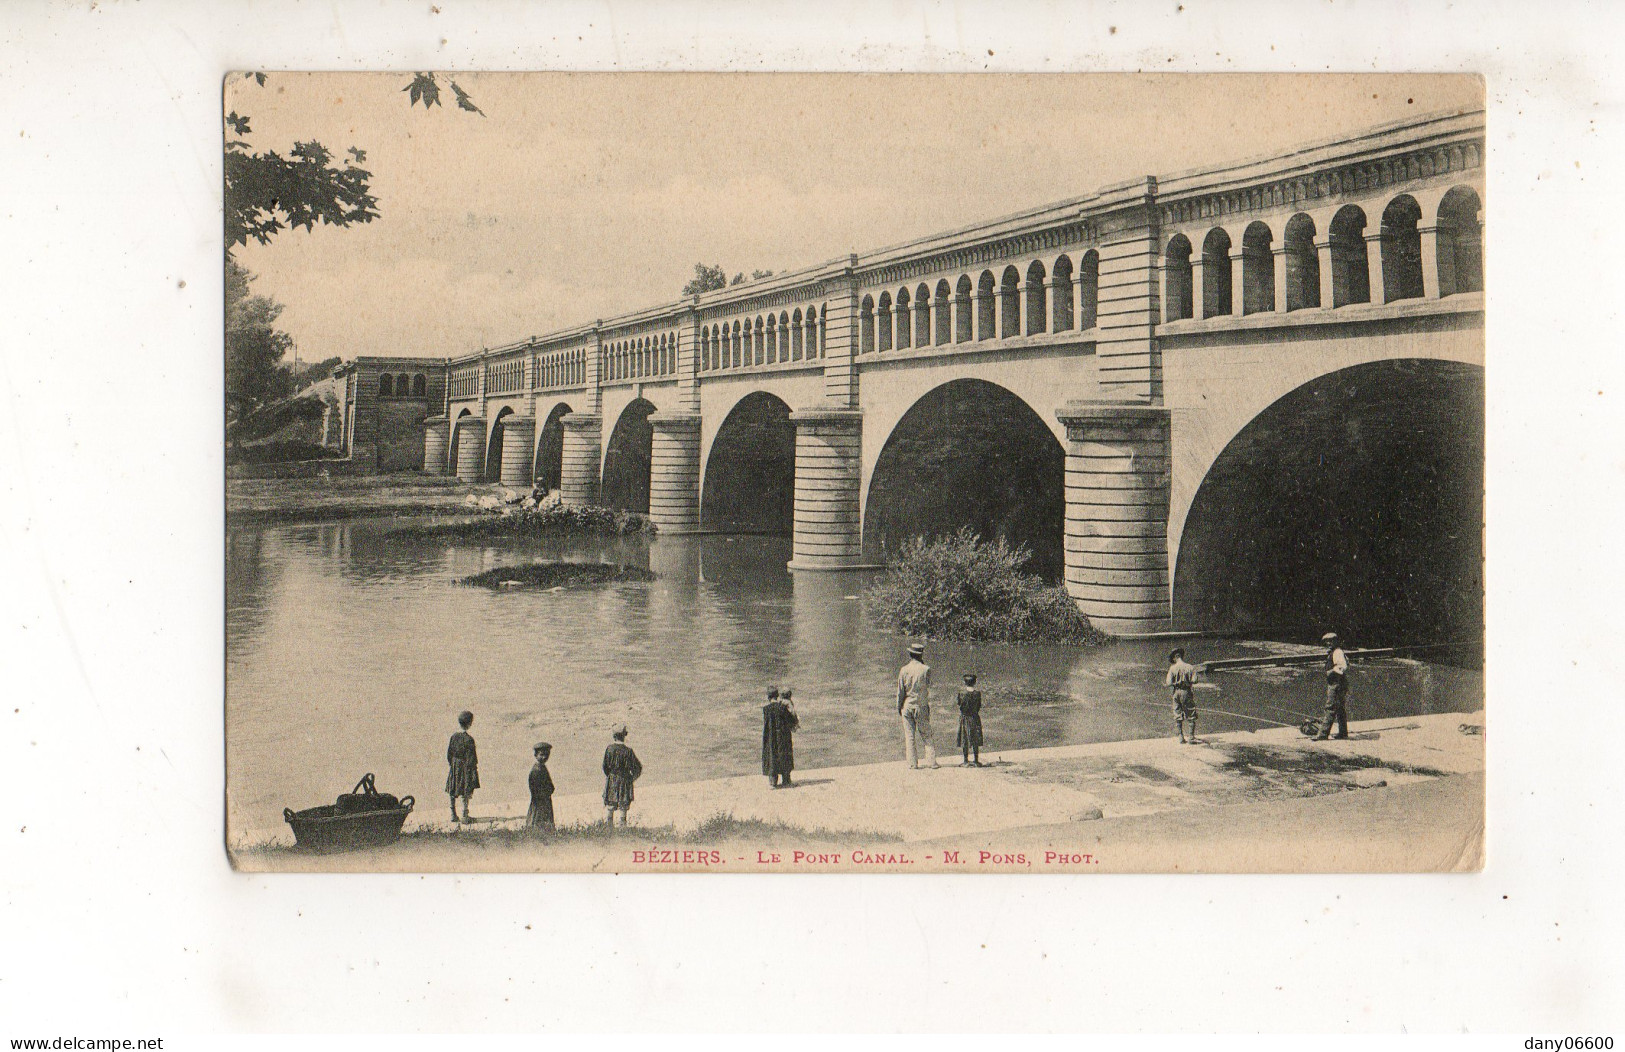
{"x": 914, "y": 706}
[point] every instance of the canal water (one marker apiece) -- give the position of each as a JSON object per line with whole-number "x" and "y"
{"x": 349, "y": 651}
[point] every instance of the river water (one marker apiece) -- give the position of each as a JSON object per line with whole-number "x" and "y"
{"x": 349, "y": 650}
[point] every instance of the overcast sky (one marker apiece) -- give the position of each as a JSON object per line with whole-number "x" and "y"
{"x": 580, "y": 196}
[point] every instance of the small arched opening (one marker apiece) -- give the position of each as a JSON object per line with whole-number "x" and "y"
{"x": 1061, "y": 309}
{"x": 964, "y": 302}
{"x": 1401, "y": 250}
{"x": 1461, "y": 256}
{"x": 1351, "y": 276}
{"x": 1010, "y": 303}
{"x": 1257, "y": 270}
{"x": 1302, "y": 263}
{"x": 1216, "y": 286}
{"x": 942, "y": 313}
{"x": 985, "y": 286}
{"x": 1176, "y": 279}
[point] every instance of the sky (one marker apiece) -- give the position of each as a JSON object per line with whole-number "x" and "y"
{"x": 582, "y": 196}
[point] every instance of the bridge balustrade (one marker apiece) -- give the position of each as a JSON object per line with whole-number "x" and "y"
{"x": 786, "y": 337}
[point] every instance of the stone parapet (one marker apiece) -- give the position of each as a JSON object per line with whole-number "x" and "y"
{"x": 581, "y": 461}
{"x": 1117, "y": 490}
{"x": 674, "y": 472}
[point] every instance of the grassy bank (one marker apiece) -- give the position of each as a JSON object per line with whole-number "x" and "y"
{"x": 966, "y": 589}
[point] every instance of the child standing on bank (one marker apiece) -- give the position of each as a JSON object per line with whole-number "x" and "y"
{"x": 970, "y": 724}
{"x": 463, "y": 766}
{"x": 1182, "y": 679}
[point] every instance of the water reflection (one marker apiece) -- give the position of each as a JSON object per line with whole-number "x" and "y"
{"x": 349, "y": 650}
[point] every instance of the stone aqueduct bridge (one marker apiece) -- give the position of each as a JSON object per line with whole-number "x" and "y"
{"x": 1153, "y": 327}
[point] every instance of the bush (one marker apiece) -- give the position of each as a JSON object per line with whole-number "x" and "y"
{"x": 963, "y": 588}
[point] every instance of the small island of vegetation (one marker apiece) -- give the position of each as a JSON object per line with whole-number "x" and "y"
{"x": 965, "y": 589}
{"x": 527, "y": 519}
{"x": 556, "y": 575}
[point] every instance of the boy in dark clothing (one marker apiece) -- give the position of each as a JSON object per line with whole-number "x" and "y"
{"x": 463, "y": 766}
{"x": 621, "y": 769}
{"x": 970, "y": 724}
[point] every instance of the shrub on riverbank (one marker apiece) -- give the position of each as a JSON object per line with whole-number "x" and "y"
{"x": 548, "y": 518}
{"x": 549, "y": 575}
{"x": 963, "y": 588}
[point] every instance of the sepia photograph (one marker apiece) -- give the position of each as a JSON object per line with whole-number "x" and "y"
{"x": 832, "y": 473}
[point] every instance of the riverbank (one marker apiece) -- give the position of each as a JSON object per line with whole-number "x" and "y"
{"x": 258, "y": 502}
{"x": 1400, "y": 795}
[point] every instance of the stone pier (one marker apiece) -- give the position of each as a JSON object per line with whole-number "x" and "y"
{"x": 1117, "y": 486}
{"x": 436, "y": 439}
{"x": 674, "y": 474}
{"x": 828, "y": 523}
{"x": 518, "y": 446}
{"x": 578, "y": 482}
{"x": 471, "y": 448}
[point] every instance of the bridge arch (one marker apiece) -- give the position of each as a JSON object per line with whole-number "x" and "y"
{"x": 493, "y": 446}
{"x": 750, "y": 473}
{"x": 970, "y": 453}
{"x": 1257, "y": 270}
{"x": 1062, "y": 308}
{"x": 628, "y": 457}
{"x": 1037, "y": 307}
{"x": 550, "y": 448}
{"x": 985, "y": 286}
{"x": 942, "y": 319}
{"x": 1354, "y": 501}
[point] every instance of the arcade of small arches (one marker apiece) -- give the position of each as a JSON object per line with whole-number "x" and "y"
{"x": 403, "y": 385}
{"x": 1058, "y": 298}
{"x": 1345, "y": 259}
{"x": 789, "y": 336}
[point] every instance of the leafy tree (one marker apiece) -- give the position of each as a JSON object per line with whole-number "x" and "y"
{"x": 317, "y": 371}
{"x": 266, "y": 193}
{"x": 255, "y": 375}
{"x": 705, "y": 279}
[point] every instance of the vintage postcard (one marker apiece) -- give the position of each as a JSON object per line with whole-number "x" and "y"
{"x": 854, "y": 473}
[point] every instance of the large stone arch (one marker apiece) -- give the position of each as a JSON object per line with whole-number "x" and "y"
{"x": 549, "y": 460}
{"x": 970, "y": 453}
{"x": 493, "y": 444}
{"x": 628, "y": 457}
{"x": 1353, "y": 502}
{"x": 750, "y": 473}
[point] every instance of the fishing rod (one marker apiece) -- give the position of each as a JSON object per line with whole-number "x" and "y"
{"x": 1228, "y": 664}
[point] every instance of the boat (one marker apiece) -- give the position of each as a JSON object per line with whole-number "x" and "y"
{"x": 363, "y": 817}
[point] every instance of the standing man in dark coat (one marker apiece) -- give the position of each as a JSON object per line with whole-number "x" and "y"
{"x": 778, "y": 752}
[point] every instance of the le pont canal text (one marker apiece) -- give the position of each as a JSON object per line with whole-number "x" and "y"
{"x": 661, "y": 856}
